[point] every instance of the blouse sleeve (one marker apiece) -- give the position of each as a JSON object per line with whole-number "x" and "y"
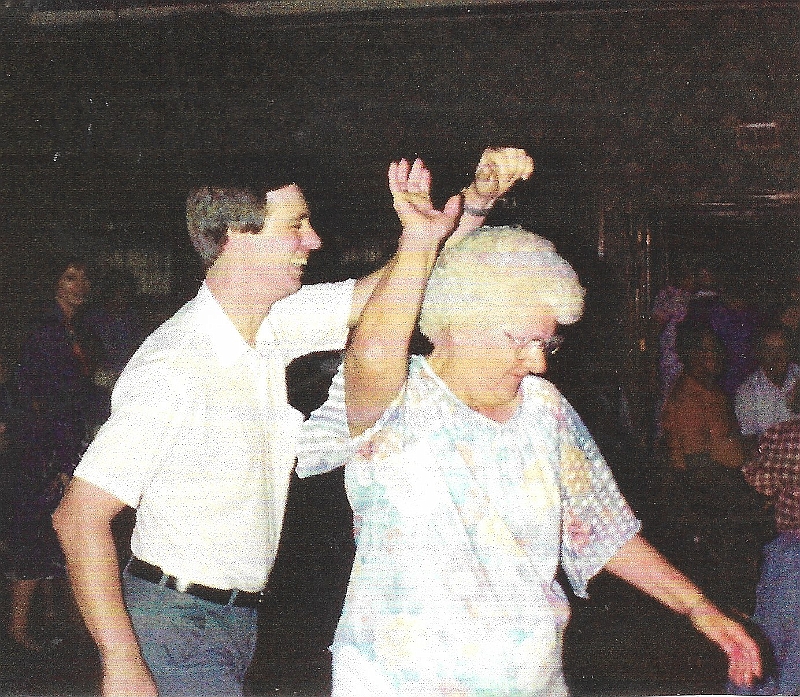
{"x": 596, "y": 519}
{"x": 325, "y": 443}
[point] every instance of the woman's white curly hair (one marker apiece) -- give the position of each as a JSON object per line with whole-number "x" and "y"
{"x": 498, "y": 270}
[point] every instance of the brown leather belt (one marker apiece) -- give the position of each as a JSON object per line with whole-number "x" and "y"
{"x": 154, "y": 574}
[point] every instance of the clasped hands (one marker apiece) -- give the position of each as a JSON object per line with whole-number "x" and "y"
{"x": 497, "y": 171}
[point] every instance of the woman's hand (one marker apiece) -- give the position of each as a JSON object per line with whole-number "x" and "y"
{"x": 410, "y": 186}
{"x": 744, "y": 657}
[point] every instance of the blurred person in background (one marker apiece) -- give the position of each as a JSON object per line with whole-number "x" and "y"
{"x": 768, "y": 395}
{"x": 58, "y": 403}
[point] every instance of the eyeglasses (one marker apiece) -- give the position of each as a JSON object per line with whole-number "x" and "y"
{"x": 548, "y": 346}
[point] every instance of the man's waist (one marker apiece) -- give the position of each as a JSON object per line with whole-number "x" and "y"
{"x": 221, "y": 596}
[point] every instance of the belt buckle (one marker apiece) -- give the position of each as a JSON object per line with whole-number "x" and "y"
{"x": 182, "y": 584}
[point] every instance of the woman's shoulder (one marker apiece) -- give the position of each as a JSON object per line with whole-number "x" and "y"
{"x": 539, "y": 390}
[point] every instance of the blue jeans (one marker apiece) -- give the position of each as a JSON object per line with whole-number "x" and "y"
{"x": 192, "y": 647}
{"x": 778, "y": 614}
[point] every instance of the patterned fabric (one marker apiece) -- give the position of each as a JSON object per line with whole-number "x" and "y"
{"x": 461, "y": 523}
{"x": 775, "y": 472}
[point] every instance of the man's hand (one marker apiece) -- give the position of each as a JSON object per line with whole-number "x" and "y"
{"x": 744, "y": 658}
{"x": 498, "y": 170}
{"x": 410, "y": 187}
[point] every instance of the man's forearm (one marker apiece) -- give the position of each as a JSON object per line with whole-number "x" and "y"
{"x": 83, "y": 524}
{"x": 93, "y": 569}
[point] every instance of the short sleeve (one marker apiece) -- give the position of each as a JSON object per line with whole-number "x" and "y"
{"x": 127, "y": 450}
{"x": 312, "y": 319}
{"x": 596, "y": 519}
{"x": 325, "y": 442}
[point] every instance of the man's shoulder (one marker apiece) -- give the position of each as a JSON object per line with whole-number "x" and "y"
{"x": 182, "y": 337}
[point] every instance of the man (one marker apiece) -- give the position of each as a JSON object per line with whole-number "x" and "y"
{"x": 201, "y": 442}
{"x": 767, "y": 396}
{"x": 775, "y": 473}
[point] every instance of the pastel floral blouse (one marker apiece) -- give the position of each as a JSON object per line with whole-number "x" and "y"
{"x": 461, "y": 523}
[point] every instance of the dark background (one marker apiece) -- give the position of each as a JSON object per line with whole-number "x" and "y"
{"x": 658, "y": 129}
{"x": 109, "y": 119}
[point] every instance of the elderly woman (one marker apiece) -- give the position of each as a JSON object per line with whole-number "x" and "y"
{"x": 472, "y": 479}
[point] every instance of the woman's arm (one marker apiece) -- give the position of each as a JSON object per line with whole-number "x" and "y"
{"x": 376, "y": 359}
{"x": 641, "y": 565}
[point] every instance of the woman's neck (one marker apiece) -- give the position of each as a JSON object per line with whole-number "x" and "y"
{"x": 67, "y": 308}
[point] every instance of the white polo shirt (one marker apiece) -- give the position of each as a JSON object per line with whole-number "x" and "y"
{"x": 201, "y": 436}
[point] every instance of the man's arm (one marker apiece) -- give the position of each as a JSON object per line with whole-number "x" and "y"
{"x": 83, "y": 524}
{"x": 497, "y": 171}
{"x": 641, "y": 565}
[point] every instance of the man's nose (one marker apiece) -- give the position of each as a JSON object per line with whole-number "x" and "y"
{"x": 310, "y": 238}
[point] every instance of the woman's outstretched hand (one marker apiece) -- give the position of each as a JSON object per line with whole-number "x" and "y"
{"x": 410, "y": 186}
{"x": 744, "y": 657}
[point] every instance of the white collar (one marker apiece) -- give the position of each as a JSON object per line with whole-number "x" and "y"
{"x": 224, "y": 338}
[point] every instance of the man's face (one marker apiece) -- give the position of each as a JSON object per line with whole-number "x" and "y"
{"x": 279, "y": 252}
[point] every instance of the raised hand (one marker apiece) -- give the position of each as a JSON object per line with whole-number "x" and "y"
{"x": 410, "y": 187}
{"x": 497, "y": 171}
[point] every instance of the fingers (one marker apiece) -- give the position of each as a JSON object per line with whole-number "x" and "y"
{"x": 507, "y": 164}
{"x": 510, "y": 164}
{"x": 499, "y": 168}
{"x": 453, "y": 207}
{"x": 398, "y": 176}
{"x": 419, "y": 178}
{"x": 412, "y": 178}
{"x": 744, "y": 657}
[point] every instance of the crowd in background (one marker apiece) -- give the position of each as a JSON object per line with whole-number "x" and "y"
{"x": 728, "y": 377}
{"x": 727, "y": 370}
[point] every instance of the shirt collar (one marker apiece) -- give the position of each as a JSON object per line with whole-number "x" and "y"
{"x": 224, "y": 338}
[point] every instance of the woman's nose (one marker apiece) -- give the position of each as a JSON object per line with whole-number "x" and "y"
{"x": 534, "y": 358}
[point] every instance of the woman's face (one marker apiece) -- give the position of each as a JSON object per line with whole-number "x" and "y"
{"x": 72, "y": 287}
{"x": 487, "y": 360}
